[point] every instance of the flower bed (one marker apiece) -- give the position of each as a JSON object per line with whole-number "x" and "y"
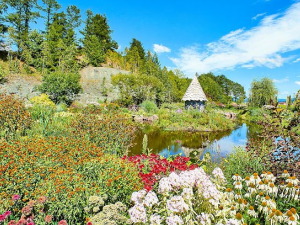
{"x": 193, "y": 197}
{"x": 153, "y": 167}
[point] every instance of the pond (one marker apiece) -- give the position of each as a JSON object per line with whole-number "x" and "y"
{"x": 167, "y": 143}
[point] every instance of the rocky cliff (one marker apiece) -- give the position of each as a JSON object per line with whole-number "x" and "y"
{"x": 95, "y": 82}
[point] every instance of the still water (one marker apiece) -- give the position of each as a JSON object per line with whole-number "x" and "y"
{"x": 167, "y": 143}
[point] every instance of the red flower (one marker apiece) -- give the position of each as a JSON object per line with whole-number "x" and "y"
{"x": 62, "y": 222}
{"x": 89, "y": 223}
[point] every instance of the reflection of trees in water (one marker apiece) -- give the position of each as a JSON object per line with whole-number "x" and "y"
{"x": 159, "y": 140}
{"x": 197, "y": 152}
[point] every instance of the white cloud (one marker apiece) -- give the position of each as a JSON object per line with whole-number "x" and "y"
{"x": 284, "y": 80}
{"x": 296, "y": 60}
{"x": 259, "y": 46}
{"x": 258, "y": 15}
{"x": 297, "y": 82}
{"x": 160, "y": 48}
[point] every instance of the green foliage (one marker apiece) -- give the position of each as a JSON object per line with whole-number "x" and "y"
{"x": 112, "y": 214}
{"x": 242, "y": 162}
{"x": 21, "y": 14}
{"x": 178, "y": 119}
{"x": 149, "y": 106}
{"x": 59, "y": 49}
{"x": 61, "y": 87}
{"x": 221, "y": 89}
{"x": 14, "y": 118}
{"x": 50, "y": 7}
{"x": 112, "y": 132}
{"x": 42, "y": 111}
{"x": 2, "y": 74}
{"x": 64, "y": 172}
{"x": 134, "y": 89}
{"x": 97, "y": 40}
{"x": 262, "y": 92}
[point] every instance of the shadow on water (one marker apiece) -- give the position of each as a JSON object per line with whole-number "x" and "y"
{"x": 167, "y": 143}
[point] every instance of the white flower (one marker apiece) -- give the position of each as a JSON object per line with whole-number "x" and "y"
{"x": 174, "y": 220}
{"x": 155, "y": 219}
{"x": 268, "y": 176}
{"x": 164, "y": 185}
{"x": 151, "y": 199}
{"x": 251, "y": 212}
{"x": 237, "y": 177}
{"x": 233, "y": 222}
{"x": 218, "y": 174}
{"x": 272, "y": 189}
{"x": 204, "y": 218}
{"x": 138, "y": 196}
{"x": 177, "y": 204}
{"x": 138, "y": 214}
{"x": 187, "y": 193}
{"x": 238, "y": 185}
{"x": 292, "y": 180}
{"x": 174, "y": 180}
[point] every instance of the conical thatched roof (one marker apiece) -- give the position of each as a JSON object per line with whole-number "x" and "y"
{"x": 194, "y": 92}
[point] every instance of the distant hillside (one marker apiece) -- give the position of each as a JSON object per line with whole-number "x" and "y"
{"x": 95, "y": 82}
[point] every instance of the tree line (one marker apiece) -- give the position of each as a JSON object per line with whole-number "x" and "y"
{"x": 58, "y": 53}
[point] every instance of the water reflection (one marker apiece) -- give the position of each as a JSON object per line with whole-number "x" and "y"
{"x": 166, "y": 143}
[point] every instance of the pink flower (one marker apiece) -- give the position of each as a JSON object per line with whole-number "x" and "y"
{"x": 15, "y": 197}
{"x": 62, "y": 222}
{"x": 48, "y": 218}
{"x": 27, "y": 210}
{"x": 7, "y": 213}
{"x": 31, "y": 223}
{"x": 12, "y": 222}
{"x": 2, "y": 218}
{"x": 22, "y": 222}
{"x": 42, "y": 199}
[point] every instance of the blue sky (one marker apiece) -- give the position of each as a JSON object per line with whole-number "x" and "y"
{"x": 242, "y": 39}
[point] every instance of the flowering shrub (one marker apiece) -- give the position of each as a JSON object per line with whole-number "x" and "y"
{"x": 14, "y": 118}
{"x": 193, "y": 197}
{"x": 111, "y": 214}
{"x": 153, "y": 167}
{"x": 112, "y": 132}
{"x": 66, "y": 171}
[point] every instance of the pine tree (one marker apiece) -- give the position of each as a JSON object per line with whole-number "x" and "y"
{"x": 50, "y": 7}
{"x": 59, "y": 49}
{"x": 97, "y": 40}
{"x": 22, "y": 12}
{"x": 3, "y": 27}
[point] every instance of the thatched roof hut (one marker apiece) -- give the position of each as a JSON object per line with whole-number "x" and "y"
{"x": 194, "y": 95}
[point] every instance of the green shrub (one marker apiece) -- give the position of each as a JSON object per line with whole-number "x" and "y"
{"x": 15, "y": 119}
{"x": 112, "y": 132}
{"x": 149, "y": 106}
{"x": 243, "y": 162}
{"x": 2, "y": 74}
{"x": 61, "y": 87}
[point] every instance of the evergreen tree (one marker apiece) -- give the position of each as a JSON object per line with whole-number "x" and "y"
{"x": 50, "y": 7}
{"x": 3, "y": 27}
{"x": 59, "y": 48}
{"x": 97, "y": 40}
{"x": 22, "y": 12}
{"x": 136, "y": 44}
